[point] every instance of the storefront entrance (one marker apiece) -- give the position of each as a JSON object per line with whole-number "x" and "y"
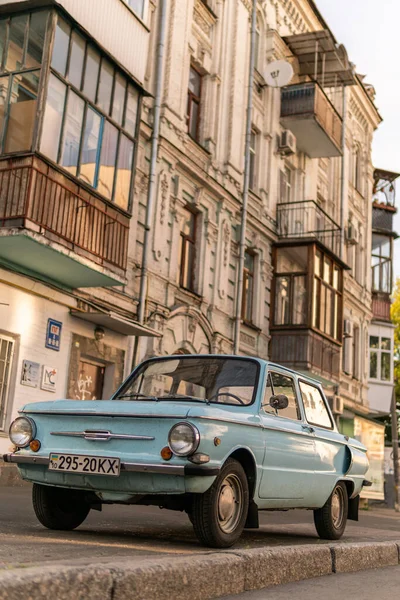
{"x": 90, "y": 382}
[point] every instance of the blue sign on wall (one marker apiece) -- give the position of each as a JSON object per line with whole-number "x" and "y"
{"x": 53, "y": 335}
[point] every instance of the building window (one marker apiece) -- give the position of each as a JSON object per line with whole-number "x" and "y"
{"x": 90, "y": 119}
{"x": 291, "y": 286}
{"x": 187, "y": 251}
{"x": 285, "y": 185}
{"x": 327, "y": 300}
{"x": 248, "y": 287}
{"x": 257, "y": 46}
{"x": 356, "y": 353}
{"x": 21, "y": 50}
{"x": 380, "y": 358}
{"x": 357, "y": 171}
{"x": 193, "y": 103}
{"x": 253, "y": 160}
{"x": 6, "y": 358}
{"x": 381, "y": 264}
{"x": 137, "y": 6}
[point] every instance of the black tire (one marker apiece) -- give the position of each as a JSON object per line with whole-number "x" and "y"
{"x": 330, "y": 520}
{"x": 59, "y": 508}
{"x": 213, "y": 522}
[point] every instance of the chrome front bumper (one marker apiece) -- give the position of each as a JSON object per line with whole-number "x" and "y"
{"x": 164, "y": 469}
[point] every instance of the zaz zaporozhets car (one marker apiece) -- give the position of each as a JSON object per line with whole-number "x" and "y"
{"x": 219, "y": 437}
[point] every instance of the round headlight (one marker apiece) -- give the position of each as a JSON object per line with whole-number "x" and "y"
{"x": 184, "y": 439}
{"x": 22, "y": 431}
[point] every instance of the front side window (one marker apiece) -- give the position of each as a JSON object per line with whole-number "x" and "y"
{"x": 314, "y": 406}
{"x": 90, "y": 120}
{"x": 381, "y": 264}
{"x": 380, "y": 358}
{"x": 187, "y": 252}
{"x": 21, "y": 52}
{"x": 214, "y": 380}
{"x": 281, "y": 384}
{"x": 248, "y": 287}
{"x": 193, "y": 103}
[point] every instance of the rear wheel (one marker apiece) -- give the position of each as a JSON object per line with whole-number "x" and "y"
{"x": 330, "y": 520}
{"x": 219, "y": 515}
{"x": 59, "y": 508}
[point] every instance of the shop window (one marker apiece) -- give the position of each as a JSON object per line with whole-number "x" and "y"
{"x": 380, "y": 358}
{"x": 381, "y": 264}
{"x": 248, "y": 287}
{"x": 21, "y": 51}
{"x": 193, "y": 103}
{"x": 91, "y": 114}
{"x": 6, "y": 363}
{"x": 187, "y": 252}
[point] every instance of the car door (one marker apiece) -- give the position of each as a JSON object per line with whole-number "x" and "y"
{"x": 289, "y": 461}
{"x": 332, "y": 456}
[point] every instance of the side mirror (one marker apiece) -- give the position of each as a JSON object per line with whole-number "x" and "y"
{"x": 279, "y": 402}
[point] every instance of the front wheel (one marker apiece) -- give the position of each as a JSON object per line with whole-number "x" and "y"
{"x": 219, "y": 515}
{"x": 59, "y": 508}
{"x": 330, "y": 520}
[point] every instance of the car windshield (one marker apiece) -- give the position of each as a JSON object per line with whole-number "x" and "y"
{"x": 213, "y": 380}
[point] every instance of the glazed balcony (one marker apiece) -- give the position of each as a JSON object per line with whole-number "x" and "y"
{"x": 307, "y": 111}
{"x": 53, "y": 227}
{"x": 306, "y": 220}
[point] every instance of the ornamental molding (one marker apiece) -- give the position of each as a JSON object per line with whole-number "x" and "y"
{"x": 203, "y": 18}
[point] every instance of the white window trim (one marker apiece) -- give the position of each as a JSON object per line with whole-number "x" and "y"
{"x": 378, "y": 351}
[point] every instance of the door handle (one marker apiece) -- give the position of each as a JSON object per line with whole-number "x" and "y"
{"x": 308, "y": 428}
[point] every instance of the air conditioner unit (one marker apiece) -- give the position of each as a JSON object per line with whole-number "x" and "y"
{"x": 287, "y": 143}
{"x": 337, "y": 405}
{"x": 351, "y": 234}
{"x": 347, "y": 328}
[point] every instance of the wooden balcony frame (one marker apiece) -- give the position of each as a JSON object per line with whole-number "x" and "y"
{"x": 36, "y": 196}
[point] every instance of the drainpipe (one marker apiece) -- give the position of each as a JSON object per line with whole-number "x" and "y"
{"x": 239, "y": 291}
{"x": 153, "y": 160}
{"x": 343, "y": 172}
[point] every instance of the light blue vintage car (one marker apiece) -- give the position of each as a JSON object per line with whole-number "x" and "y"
{"x": 220, "y": 437}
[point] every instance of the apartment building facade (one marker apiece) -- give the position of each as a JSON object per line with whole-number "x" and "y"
{"x": 71, "y": 86}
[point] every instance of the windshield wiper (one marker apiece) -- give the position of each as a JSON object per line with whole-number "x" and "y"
{"x": 136, "y": 395}
{"x": 183, "y": 397}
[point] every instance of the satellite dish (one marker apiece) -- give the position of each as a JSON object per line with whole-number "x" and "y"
{"x": 278, "y": 73}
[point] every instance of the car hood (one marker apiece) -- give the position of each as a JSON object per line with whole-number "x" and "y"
{"x": 148, "y": 408}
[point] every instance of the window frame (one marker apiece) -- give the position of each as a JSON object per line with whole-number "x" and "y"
{"x": 325, "y": 402}
{"x": 379, "y": 352}
{"x": 292, "y": 276}
{"x": 337, "y": 293}
{"x": 6, "y": 384}
{"x": 187, "y": 240}
{"x": 382, "y": 260}
{"x": 193, "y": 99}
{"x": 248, "y": 275}
{"x": 253, "y": 155}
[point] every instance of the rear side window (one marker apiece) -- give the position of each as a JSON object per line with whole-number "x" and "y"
{"x": 314, "y": 406}
{"x": 281, "y": 384}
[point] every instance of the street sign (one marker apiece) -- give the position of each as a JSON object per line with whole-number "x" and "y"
{"x": 53, "y": 335}
{"x": 49, "y": 379}
{"x": 30, "y": 373}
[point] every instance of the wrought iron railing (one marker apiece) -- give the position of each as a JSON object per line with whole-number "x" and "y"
{"x": 34, "y": 194}
{"x": 306, "y": 219}
{"x": 308, "y": 99}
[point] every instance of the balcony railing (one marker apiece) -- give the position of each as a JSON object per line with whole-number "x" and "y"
{"x": 305, "y": 220}
{"x": 37, "y": 197}
{"x": 307, "y": 111}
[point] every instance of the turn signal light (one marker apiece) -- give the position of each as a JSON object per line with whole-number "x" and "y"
{"x": 35, "y": 445}
{"x": 166, "y": 453}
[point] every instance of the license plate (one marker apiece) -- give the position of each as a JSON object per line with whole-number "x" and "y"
{"x": 93, "y": 465}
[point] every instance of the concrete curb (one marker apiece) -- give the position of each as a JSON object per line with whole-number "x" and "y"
{"x": 200, "y": 577}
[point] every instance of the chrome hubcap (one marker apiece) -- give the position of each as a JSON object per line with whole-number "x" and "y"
{"x": 337, "y": 507}
{"x": 230, "y": 502}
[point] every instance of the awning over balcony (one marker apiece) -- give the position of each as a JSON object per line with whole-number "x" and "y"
{"x": 115, "y": 322}
{"x": 321, "y": 58}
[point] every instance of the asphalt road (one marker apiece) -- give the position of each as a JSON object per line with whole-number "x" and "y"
{"x": 129, "y": 531}
{"x": 377, "y": 583}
